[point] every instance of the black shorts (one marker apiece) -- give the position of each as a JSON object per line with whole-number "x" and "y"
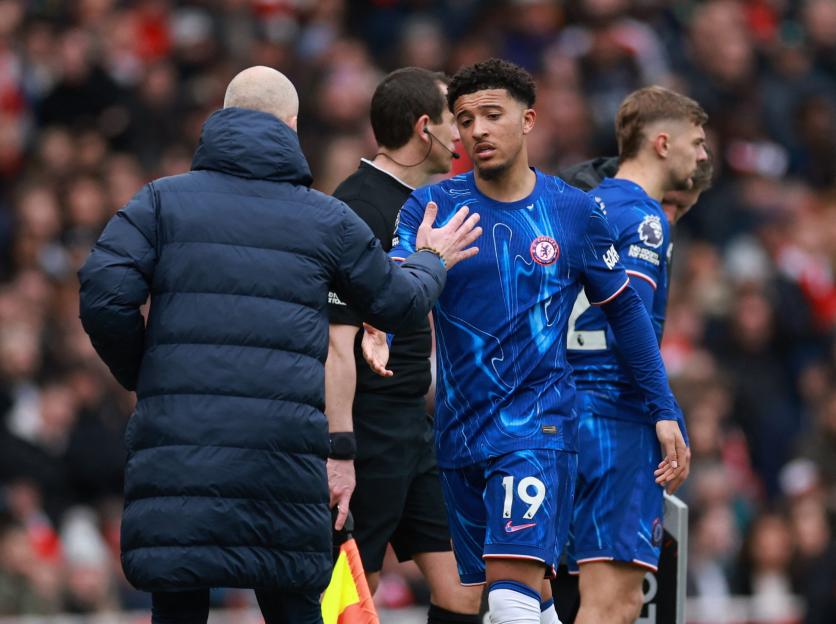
{"x": 398, "y": 497}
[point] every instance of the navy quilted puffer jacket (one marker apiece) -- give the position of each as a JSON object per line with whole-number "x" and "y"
{"x": 225, "y": 483}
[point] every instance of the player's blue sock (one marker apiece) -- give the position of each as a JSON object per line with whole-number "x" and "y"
{"x": 511, "y": 602}
{"x": 548, "y": 615}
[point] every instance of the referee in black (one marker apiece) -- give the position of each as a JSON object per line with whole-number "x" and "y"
{"x": 380, "y": 429}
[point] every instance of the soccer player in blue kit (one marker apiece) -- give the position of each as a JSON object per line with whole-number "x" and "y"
{"x": 506, "y": 433}
{"x": 617, "y": 528}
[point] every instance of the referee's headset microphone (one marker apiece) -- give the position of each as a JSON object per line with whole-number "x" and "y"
{"x": 426, "y": 155}
{"x": 441, "y": 143}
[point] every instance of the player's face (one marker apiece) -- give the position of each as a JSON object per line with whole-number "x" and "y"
{"x": 676, "y": 204}
{"x": 687, "y": 149}
{"x": 492, "y": 125}
{"x": 447, "y": 133}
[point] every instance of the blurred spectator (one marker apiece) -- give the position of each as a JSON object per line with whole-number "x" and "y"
{"x": 83, "y": 94}
{"x": 819, "y": 446}
{"x": 713, "y": 540}
{"x": 34, "y": 440}
{"x": 820, "y": 24}
{"x": 27, "y": 586}
{"x": 764, "y": 571}
{"x": 90, "y": 582}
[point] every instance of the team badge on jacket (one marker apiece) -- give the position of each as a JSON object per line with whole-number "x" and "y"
{"x": 650, "y": 231}
{"x": 544, "y": 250}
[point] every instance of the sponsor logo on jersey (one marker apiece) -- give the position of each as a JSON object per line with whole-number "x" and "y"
{"x": 544, "y": 250}
{"x": 550, "y": 429}
{"x": 611, "y": 258}
{"x": 651, "y": 232}
{"x": 643, "y": 253}
{"x": 395, "y": 238}
{"x": 513, "y": 528}
{"x": 657, "y": 531}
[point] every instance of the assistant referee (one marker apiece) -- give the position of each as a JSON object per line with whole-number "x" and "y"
{"x": 380, "y": 428}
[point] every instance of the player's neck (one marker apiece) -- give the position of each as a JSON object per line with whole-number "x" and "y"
{"x": 653, "y": 180}
{"x": 515, "y": 183}
{"x": 396, "y": 162}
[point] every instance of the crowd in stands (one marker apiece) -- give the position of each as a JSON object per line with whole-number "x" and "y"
{"x": 99, "y": 96}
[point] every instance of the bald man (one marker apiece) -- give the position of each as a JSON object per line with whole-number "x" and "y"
{"x": 225, "y": 482}
{"x": 264, "y": 89}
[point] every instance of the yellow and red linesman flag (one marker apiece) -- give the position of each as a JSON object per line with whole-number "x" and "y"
{"x": 347, "y": 600}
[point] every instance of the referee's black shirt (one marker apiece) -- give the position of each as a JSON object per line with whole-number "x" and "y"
{"x": 377, "y": 197}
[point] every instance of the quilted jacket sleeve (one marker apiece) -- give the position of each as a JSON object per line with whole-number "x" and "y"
{"x": 388, "y": 296}
{"x": 115, "y": 281}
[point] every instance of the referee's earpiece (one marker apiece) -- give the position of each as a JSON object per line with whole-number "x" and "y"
{"x": 454, "y": 154}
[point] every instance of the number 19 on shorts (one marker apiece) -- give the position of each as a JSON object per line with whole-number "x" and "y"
{"x": 530, "y": 490}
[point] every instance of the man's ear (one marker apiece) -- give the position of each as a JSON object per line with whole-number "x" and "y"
{"x": 661, "y": 144}
{"x": 420, "y": 125}
{"x": 529, "y": 117}
{"x": 293, "y": 122}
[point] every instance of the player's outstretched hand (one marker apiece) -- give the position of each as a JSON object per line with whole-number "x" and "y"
{"x": 341, "y": 483}
{"x": 452, "y": 241}
{"x": 376, "y": 350}
{"x": 676, "y": 457}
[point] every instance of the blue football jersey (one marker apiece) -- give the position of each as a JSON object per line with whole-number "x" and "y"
{"x": 504, "y": 383}
{"x": 643, "y": 241}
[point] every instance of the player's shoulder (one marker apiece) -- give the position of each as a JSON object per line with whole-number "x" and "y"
{"x": 616, "y": 192}
{"x": 447, "y": 191}
{"x": 570, "y": 199}
{"x": 453, "y": 186}
{"x": 635, "y": 218}
{"x": 575, "y": 204}
{"x": 625, "y": 203}
{"x": 556, "y": 185}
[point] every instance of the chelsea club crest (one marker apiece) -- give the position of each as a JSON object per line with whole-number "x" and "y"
{"x": 657, "y": 531}
{"x": 544, "y": 250}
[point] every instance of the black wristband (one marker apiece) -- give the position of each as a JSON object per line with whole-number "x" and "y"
{"x": 343, "y": 445}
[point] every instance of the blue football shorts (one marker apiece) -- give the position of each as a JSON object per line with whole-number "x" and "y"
{"x": 516, "y": 505}
{"x": 619, "y": 507}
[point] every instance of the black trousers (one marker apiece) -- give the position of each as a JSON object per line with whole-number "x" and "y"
{"x": 192, "y": 607}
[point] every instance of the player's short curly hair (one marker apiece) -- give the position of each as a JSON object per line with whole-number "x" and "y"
{"x": 492, "y": 74}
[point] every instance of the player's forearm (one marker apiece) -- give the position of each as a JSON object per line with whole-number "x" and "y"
{"x": 647, "y": 294}
{"x": 637, "y": 343}
{"x": 340, "y": 378}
